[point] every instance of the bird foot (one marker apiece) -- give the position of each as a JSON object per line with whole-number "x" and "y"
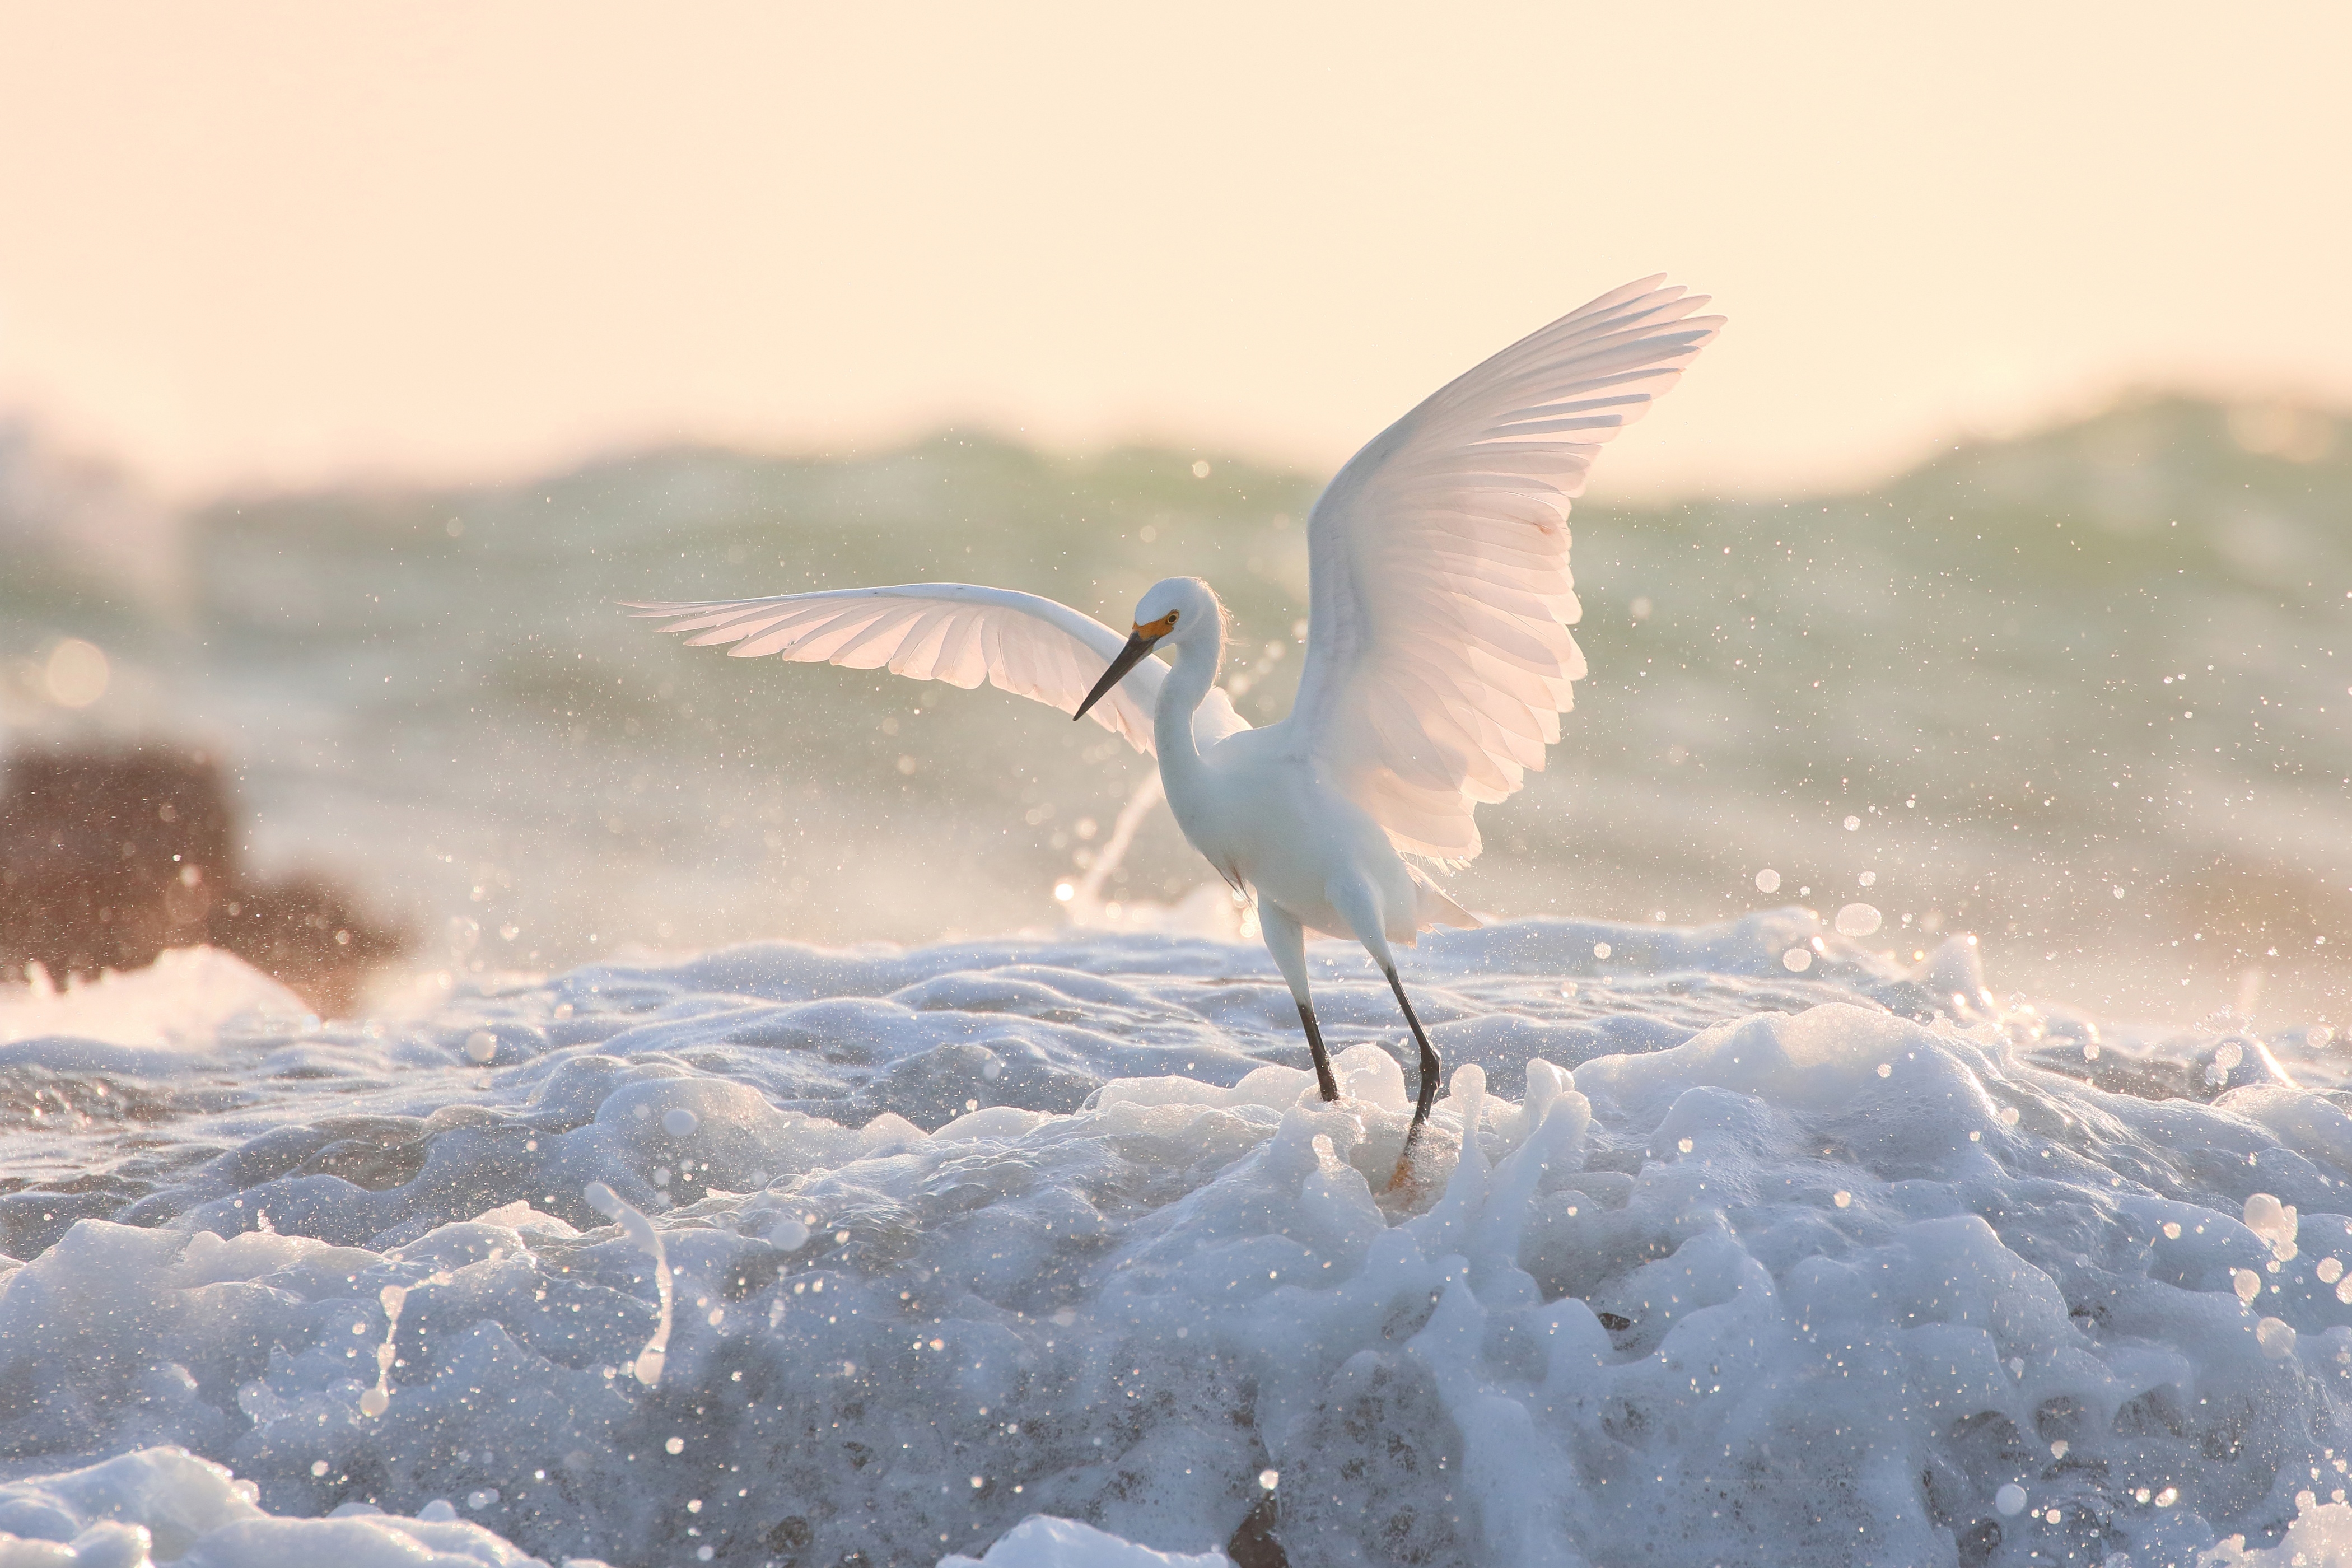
{"x": 1407, "y": 1180}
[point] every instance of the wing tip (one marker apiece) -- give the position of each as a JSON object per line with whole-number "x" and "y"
{"x": 656, "y": 610}
{"x": 1655, "y": 291}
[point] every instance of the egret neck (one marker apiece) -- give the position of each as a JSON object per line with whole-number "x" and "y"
{"x": 1197, "y": 645}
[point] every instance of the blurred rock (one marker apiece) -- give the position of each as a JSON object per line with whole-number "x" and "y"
{"x": 110, "y": 857}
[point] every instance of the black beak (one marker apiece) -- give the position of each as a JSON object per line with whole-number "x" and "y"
{"x": 1129, "y": 657}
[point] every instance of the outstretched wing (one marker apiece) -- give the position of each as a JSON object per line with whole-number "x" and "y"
{"x": 1441, "y": 660}
{"x": 956, "y": 632}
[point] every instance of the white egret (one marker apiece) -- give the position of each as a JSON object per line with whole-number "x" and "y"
{"x": 1439, "y": 662}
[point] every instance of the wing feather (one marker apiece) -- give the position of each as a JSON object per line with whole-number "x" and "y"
{"x": 961, "y": 662}
{"x": 960, "y": 632}
{"x": 919, "y": 653}
{"x": 1441, "y": 594}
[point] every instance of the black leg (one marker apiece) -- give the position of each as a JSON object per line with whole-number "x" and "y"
{"x": 1322, "y": 1060}
{"x": 1431, "y": 1068}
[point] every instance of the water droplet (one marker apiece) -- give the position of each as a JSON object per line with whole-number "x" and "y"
{"x": 76, "y": 674}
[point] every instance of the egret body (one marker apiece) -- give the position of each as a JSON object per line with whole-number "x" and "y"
{"x": 1438, "y": 663}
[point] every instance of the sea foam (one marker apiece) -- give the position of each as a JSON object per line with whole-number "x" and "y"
{"x": 1709, "y": 1260}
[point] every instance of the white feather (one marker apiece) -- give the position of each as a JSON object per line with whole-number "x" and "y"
{"x": 956, "y": 632}
{"x": 1439, "y": 659}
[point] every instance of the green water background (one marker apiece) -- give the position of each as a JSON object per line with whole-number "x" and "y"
{"x": 432, "y": 695}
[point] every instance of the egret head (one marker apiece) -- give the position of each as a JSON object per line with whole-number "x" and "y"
{"x": 1178, "y": 611}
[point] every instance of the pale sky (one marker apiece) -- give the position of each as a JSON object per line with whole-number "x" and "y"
{"x": 288, "y": 243}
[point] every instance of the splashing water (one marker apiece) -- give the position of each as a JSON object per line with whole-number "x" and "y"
{"x": 1712, "y": 1204}
{"x": 647, "y": 1367}
{"x": 378, "y": 1400}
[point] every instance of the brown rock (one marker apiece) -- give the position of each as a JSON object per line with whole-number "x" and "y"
{"x": 109, "y": 857}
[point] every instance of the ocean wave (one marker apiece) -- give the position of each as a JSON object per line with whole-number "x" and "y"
{"x": 781, "y": 1253}
{"x": 2038, "y": 671}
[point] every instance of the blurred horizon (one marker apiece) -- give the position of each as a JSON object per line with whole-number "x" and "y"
{"x": 1927, "y": 696}
{"x": 272, "y": 246}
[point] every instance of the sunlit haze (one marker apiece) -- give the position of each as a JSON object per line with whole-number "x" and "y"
{"x": 487, "y": 1078}
{"x": 277, "y": 243}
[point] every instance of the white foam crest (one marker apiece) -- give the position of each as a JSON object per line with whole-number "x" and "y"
{"x": 1941, "y": 1260}
{"x": 1043, "y": 1541}
{"x": 165, "y": 1505}
{"x": 181, "y": 1001}
{"x": 2319, "y": 1536}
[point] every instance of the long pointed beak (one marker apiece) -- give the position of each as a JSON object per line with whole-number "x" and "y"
{"x": 1129, "y": 657}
